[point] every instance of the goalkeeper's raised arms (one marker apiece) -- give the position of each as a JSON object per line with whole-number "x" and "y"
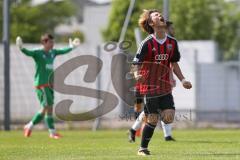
{"x": 19, "y": 42}
{"x": 74, "y": 43}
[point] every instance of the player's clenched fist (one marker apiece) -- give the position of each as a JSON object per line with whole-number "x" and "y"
{"x": 186, "y": 84}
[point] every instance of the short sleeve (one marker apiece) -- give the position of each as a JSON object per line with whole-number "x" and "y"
{"x": 176, "y": 54}
{"x": 141, "y": 52}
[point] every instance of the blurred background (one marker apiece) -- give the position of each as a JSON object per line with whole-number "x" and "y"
{"x": 208, "y": 32}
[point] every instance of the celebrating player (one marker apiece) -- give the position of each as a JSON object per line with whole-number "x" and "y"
{"x": 151, "y": 69}
{"x": 44, "y": 59}
{"x": 136, "y": 127}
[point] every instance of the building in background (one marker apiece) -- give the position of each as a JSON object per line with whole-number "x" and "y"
{"x": 91, "y": 18}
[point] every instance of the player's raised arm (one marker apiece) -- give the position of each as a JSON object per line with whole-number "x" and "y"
{"x": 72, "y": 44}
{"x": 27, "y": 52}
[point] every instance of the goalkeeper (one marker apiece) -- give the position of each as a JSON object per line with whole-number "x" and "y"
{"x": 44, "y": 59}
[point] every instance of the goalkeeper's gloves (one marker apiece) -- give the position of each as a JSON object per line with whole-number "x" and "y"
{"x": 74, "y": 43}
{"x": 19, "y": 42}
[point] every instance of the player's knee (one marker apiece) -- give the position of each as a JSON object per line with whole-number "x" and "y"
{"x": 152, "y": 119}
{"x": 168, "y": 116}
{"x": 48, "y": 110}
{"x": 42, "y": 111}
{"x": 167, "y": 119}
{"x": 144, "y": 119}
{"x": 138, "y": 107}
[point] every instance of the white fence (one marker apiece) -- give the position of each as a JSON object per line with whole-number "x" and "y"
{"x": 215, "y": 95}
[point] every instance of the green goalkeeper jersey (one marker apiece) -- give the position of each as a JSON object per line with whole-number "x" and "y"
{"x": 44, "y": 63}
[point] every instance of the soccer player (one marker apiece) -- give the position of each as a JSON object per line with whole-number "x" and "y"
{"x": 44, "y": 59}
{"x": 151, "y": 69}
{"x": 167, "y": 128}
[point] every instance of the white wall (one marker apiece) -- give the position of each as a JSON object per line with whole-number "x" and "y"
{"x": 95, "y": 19}
{"x": 218, "y": 96}
{"x": 192, "y": 51}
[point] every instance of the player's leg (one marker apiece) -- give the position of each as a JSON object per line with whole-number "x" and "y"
{"x": 147, "y": 133}
{"x": 35, "y": 120}
{"x": 50, "y": 123}
{"x": 136, "y": 126}
{"x": 38, "y": 117}
{"x": 167, "y": 131}
{"x": 49, "y": 120}
{"x": 151, "y": 112}
{"x": 138, "y": 107}
{"x": 167, "y": 116}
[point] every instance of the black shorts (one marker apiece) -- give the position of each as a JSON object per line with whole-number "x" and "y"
{"x": 139, "y": 97}
{"x": 154, "y": 105}
{"x": 139, "y": 100}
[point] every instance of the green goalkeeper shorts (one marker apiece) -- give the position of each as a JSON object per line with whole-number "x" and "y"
{"x": 45, "y": 96}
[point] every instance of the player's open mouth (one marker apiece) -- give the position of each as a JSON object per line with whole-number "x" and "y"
{"x": 162, "y": 19}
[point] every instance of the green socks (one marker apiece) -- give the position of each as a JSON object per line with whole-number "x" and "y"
{"x": 37, "y": 118}
{"x": 49, "y": 121}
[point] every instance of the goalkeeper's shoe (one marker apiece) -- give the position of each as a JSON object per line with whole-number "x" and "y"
{"x": 143, "y": 152}
{"x": 55, "y": 135}
{"x": 27, "y": 131}
{"x": 169, "y": 138}
{"x": 131, "y": 135}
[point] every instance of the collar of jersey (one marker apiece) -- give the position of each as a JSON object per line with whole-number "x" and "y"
{"x": 160, "y": 41}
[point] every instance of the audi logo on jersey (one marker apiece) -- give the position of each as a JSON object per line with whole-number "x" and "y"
{"x": 161, "y": 57}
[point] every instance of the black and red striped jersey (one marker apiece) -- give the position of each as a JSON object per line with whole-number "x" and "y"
{"x": 154, "y": 57}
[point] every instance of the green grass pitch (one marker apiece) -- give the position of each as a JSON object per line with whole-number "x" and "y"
{"x": 111, "y": 145}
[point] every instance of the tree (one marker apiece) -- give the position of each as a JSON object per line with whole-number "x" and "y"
{"x": 117, "y": 16}
{"x": 227, "y": 30}
{"x": 208, "y": 19}
{"x": 193, "y": 20}
{"x": 30, "y": 22}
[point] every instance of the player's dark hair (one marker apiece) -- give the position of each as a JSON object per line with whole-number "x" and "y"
{"x": 45, "y": 37}
{"x": 169, "y": 23}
